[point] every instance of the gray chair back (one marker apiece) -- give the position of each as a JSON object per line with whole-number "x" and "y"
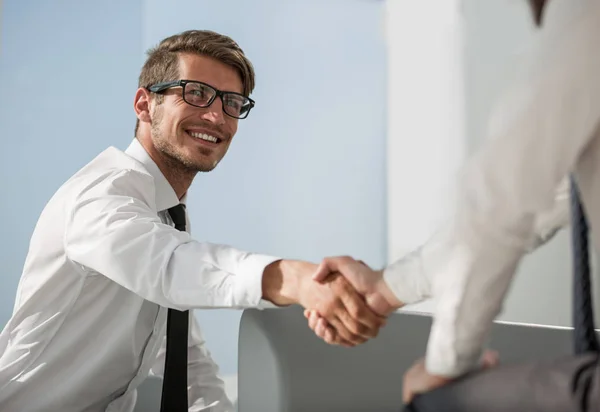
{"x": 283, "y": 367}
{"x": 148, "y": 395}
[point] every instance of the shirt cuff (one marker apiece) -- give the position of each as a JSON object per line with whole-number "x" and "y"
{"x": 248, "y": 288}
{"x": 406, "y": 279}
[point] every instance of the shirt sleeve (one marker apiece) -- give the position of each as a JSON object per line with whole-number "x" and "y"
{"x": 113, "y": 229}
{"x": 410, "y": 278}
{"x": 537, "y": 134}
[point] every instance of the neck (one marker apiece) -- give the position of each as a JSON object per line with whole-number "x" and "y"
{"x": 178, "y": 175}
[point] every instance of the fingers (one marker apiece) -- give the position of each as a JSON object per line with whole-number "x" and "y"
{"x": 336, "y": 333}
{"x": 345, "y": 333}
{"x": 319, "y": 326}
{"x": 356, "y": 316}
{"x": 329, "y": 265}
{"x": 342, "y": 306}
{"x": 417, "y": 380}
{"x": 489, "y": 359}
{"x": 322, "y": 272}
{"x": 347, "y": 312}
{"x": 360, "y": 321}
{"x": 323, "y": 330}
{"x": 328, "y": 334}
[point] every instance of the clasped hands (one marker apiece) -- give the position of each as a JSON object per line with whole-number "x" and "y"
{"x": 363, "y": 301}
{"x": 370, "y": 301}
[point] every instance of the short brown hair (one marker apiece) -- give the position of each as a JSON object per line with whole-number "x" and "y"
{"x": 162, "y": 64}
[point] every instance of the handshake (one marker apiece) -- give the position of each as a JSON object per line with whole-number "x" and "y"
{"x": 346, "y": 302}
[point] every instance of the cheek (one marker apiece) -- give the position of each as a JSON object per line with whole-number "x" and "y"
{"x": 232, "y": 127}
{"x": 174, "y": 125}
{"x": 168, "y": 126}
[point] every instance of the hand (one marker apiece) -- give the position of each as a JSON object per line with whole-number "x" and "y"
{"x": 344, "y": 310}
{"x": 366, "y": 281}
{"x": 418, "y": 380}
{"x": 341, "y": 307}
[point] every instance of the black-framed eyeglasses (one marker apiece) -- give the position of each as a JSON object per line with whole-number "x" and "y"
{"x": 203, "y": 95}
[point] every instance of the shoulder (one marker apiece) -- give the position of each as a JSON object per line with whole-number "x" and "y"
{"x": 112, "y": 173}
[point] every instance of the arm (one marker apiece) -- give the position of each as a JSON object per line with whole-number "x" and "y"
{"x": 537, "y": 136}
{"x": 113, "y": 230}
{"x": 204, "y": 385}
{"x": 410, "y": 278}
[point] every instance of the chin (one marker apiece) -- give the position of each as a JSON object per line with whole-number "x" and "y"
{"x": 201, "y": 162}
{"x": 206, "y": 166}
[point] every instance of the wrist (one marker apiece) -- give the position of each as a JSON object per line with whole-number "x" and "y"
{"x": 283, "y": 280}
{"x": 384, "y": 290}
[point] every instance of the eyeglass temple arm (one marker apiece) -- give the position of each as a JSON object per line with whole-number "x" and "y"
{"x": 158, "y": 87}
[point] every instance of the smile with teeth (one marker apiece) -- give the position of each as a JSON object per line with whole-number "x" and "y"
{"x": 204, "y": 136}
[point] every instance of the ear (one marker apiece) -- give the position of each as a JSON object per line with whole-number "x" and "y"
{"x": 141, "y": 104}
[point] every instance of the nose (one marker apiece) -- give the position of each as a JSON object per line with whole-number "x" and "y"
{"x": 214, "y": 112}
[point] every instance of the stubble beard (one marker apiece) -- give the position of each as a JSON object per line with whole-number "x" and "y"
{"x": 175, "y": 159}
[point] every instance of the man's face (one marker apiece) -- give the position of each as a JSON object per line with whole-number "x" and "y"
{"x": 184, "y": 133}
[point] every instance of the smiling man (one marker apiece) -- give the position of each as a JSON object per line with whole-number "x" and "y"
{"x": 113, "y": 271}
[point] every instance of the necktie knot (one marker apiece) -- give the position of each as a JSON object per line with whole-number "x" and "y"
{"x": 177, "y": 214}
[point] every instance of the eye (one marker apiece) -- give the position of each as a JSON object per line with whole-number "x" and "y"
{"x": 234, "y": 101}
{"x": 198, "y": 93}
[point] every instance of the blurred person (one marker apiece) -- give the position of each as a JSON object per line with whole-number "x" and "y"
{"x": 544, "y": 131}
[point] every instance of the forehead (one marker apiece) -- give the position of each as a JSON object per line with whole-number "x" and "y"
{"x": 208, "y": 70}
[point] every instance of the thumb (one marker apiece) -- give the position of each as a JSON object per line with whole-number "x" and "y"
{"x": 325, "y": 268}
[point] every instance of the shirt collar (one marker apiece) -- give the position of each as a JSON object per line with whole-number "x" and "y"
{"x": 165, "y": 194}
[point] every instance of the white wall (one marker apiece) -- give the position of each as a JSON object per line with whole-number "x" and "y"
{"x": 484, "y": 39}
{"x": 426, "y": 120}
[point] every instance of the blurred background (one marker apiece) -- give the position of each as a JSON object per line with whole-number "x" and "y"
{"x": 365, "y": 109}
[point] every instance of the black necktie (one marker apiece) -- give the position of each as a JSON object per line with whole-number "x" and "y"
{"x": 583, "y": 310}
{"x": 174, "y": 390}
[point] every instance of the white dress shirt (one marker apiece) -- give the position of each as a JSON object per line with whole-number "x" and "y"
{"x": 545, "y": 127}
{"x": 104, "y": 264}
